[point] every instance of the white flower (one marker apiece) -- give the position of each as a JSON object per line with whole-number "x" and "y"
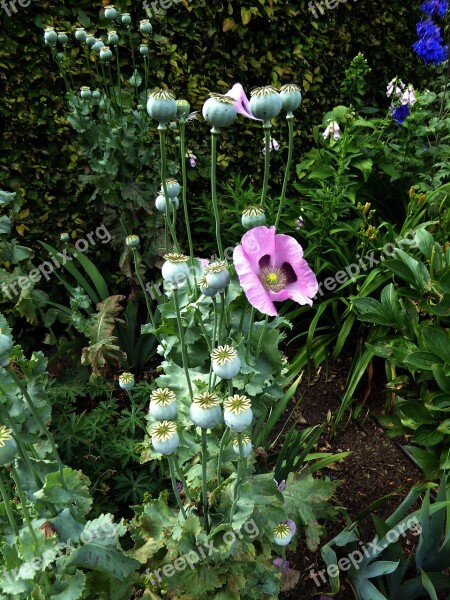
{"x": 274, "y": 145}
{"x": 395, "y": 86}
{"x": 409, "y": 96}
{"x": 333, "y": 128}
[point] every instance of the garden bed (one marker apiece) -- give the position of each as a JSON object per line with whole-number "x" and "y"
{"x": 377, "y": 466}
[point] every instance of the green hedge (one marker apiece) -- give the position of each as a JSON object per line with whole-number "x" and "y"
{"x": 198, "y": 46}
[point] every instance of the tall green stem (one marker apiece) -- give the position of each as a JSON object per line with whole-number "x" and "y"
{"x": 221, "y": 318}
{"x": 141, "y": 283}
{"x": 134, "y": 65}
{"x": 182, "y": 125}
{"x": 261, "y": 337}
{"x": 174, "y": 484}
{"x": 238, "y": 477}
{"x": 119, "y": 82}
{"x": 23, "y": 502}
{"x": 6, "y": 500}
{"x": 249, "y": 335}
{"x": 204, "y": 332}
{"x": 162, "y": 141}
{"x": 441, "y": 110}
{"x": 290, "y": 121}
{"x": 267, "y": 128}
{"x": 223, "y": 441}
{"x": 213, "y": 341}
{"x": 204, "y": 478}
{"x": 182, "y": 478}
{"x": 183, "y": 344}
{"x": 40, "y": 422}
{"x": 222, "y": 445}
{"x": 214, "y": 136}
{"x": 21, "y": 447}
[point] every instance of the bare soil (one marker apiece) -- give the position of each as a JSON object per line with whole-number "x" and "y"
{"x": 376, "y": 467}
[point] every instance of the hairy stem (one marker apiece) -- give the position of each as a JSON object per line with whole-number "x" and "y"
{"x": 290, "y": 121}
{"x": 214, "y": 136}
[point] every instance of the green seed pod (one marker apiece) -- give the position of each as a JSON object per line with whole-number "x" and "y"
{"x": 110, "y": 13}
{"x": 90, "y": 39}
{"x": 6, "y": 346}
{"x": 132, "y": 241}
{"x": 113, "y": 38}
{"x": 80, "y": 34}
{"x": 183, "y": 108}
{"x": 145, "y": 26}
{"x": 8, "y": 452}
{"x": 265, "y": 104}
{"x": 105, "y": 53}
{"x": 99, "y": 44}
{"x": 161, "y": 106}
{"x": 291, "y": 98}
{"x": 219, "y": 111}
{"x": 85, "y": 92}
{"x": 253, "y": 216}
{"x": 62, "y": 38}
{"x": 50, "y": 36}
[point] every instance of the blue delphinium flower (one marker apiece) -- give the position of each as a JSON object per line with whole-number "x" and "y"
{"x": 429, "y": 46}
{"x": 435, "y": 7}
{"x": 400, "y": 113}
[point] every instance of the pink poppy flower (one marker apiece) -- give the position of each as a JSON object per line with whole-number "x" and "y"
{"x": 271, "y": 268}
{"x": 242, "y": 103}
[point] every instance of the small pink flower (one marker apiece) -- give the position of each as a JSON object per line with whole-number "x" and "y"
{"x": 282, "y": 485}
{"x": 192, "y": 159}
{"x": 278, "y": 562}
{"x": 333, "y": 127}
{"x": 409, "y": 96}
{"x": 242, "y": 103}
{"x": 290, "y": 523}
{"x": 396, "y": 86}
{"x": 274, "y": 145}
{"x": 271, "y": 268}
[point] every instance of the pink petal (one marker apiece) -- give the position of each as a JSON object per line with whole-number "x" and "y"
{"x": 289, "y": 251}
{"x": 242, "y": 103}
{"x": 259, "y": 242}
{"x": 249, "y": 280}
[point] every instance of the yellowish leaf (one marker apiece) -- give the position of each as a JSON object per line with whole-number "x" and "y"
{"x": 228, "y": 24}
{"x": 246, "y": 15}
{"x": 24, "y": 213}
{"x": 21, "y": 229}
